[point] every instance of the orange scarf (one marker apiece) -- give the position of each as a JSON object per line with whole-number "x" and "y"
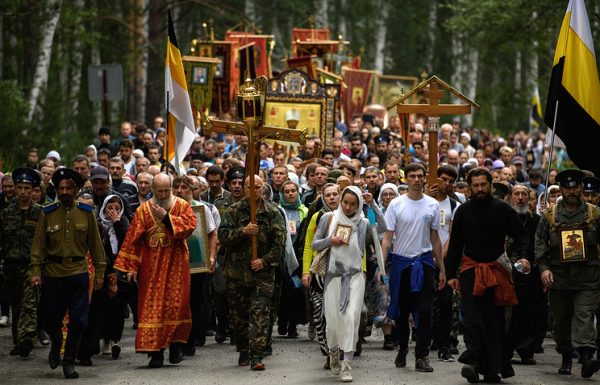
{"x": 491, "y": 275}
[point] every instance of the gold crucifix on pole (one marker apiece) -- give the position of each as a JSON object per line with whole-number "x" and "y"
{"x": 433, "y": 89}
{"x": 250, "y": 107}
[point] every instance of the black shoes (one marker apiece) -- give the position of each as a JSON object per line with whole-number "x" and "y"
{"x": 69, "y": 371}
{"x": 492, "y": 379}
{"x": 85, "y": 361}
{"x": 566, "y": 363}
{"x": 388, "y": 342}
{"x": 244, "y": 359}
{"x": 188, "y": 350}
{"x": 400, "y": 360}
{"x": 507, "y": 371}
{"x": 282, "y": 330}
{"x": 589, "y": 365}
{"x": 422, "y": 365}
{"x": 54, "y": 353}
{"x": 15, "y": 351}
{"x": 175, "y": 355}
{"x": 157, "y": 360}
{"x": 292, "y": 332}
{"x": 469, "y": 372}
{"x": 115, "y": 351}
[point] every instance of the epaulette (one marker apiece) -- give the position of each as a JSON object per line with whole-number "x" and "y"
{"x": 85, "y": 207}
{"x": 50, "y": 207}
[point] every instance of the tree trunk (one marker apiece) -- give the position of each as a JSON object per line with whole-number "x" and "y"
{"x": 321, "y": 14}
{"x": 1, "y": 45}
{"x": 432, "y": 27}
{"x": 342, "y": 27}
{"x": 40, "y": 78}
{"x": 249, "y": 11}
{"x": 76, "y": 69}
{"x": 471, "y": 82}
{"x": 142, "y": 76}
{"x": 380, "y": 36}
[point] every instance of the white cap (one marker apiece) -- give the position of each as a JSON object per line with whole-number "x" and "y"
{"x": 53, "y": 154}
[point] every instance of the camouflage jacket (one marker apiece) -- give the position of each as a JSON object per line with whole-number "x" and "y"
{"x": 271, "y": 242}
{"x": 17, "y": 230}
{"x": 582, "y": 275}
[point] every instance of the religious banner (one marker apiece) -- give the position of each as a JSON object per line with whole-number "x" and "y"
{"x": 263, "y": 47}
{"x": 199, "y": 74}
{"x": 247, "y": 66}
{"x": 297, "y": 102}
{"x": 308, "y": 34}
{"x": 226, "y": 77}
{"x": 198, "y": 243}
{"x": 357, "y": 92}
{"x": 389, "y": 88}
{"x": 307, "y": 64}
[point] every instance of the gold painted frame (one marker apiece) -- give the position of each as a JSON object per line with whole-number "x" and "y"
{"x": 572, "y": 244}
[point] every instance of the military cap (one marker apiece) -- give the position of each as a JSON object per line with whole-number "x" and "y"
{"x": 379, "y": 139}
{"x": 26, "y": 175}
{"x": 235, "y": 173}
{"x": 591, "y": 184}
{"x": 501, "y": 190}
{"x": 569, "y": 178}
{"x": 67, "y": 173}
{"x": 333, "y": 174}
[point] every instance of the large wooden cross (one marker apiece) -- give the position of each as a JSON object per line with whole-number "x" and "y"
{"x": 432, "y": 91}
{"x": 256, "y": 133}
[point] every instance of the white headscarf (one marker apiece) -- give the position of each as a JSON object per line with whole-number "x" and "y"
{"x": 109, "y": 225}
{"x": 386, "y": 186}
{"x": 349, "y": 255}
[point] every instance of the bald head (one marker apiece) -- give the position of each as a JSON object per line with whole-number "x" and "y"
{"x": 258, "y": 187}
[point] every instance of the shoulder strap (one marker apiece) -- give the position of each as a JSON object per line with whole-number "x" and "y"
{"x": 452, "y": 205}
{"x": 550, "y": 215}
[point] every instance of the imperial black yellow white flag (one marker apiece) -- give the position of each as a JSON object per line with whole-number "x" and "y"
{"x": 181, "y": 130}
{"x": 575, "y": 86}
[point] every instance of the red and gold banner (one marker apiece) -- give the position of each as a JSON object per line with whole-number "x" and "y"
{"x": 357, "y": 92}
{"x": 262, "y": 51}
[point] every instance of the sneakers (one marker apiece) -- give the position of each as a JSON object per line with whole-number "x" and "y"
{"x": 422, "y": 365}
{"x": 453, "y": 350}
{"x": 444, "y": 355}
{"x": 44, "y": 338}
{"x": 4, "y": 321}
{"x": 400, "y": 361}
{"x": 106, "y": 346}
{"x": 346, "y": 372}
{"x": 334, "y": 361}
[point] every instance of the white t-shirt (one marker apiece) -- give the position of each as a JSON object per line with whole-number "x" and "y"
{"x": 446, "y": 217}
{"x": 412, "y": 221}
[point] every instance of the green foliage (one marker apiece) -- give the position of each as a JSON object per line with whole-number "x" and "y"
{"x": 15, "y": 142}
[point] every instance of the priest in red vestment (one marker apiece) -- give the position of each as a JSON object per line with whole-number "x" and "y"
{"x": 155, "y": 254}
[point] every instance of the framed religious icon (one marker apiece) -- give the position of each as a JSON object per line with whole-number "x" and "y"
{"x": 388, "y": 88}
{"x": 313, "y": 104}
{"x": 198, "y": 244}
{"x": 343, "y": 232}
{"x": 572, "y": 244}
{"x": 199, "y": 75}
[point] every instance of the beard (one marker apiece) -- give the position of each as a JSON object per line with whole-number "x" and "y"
{"x": 66, "y": 199}
{"x": 164, "y": 203}
{"x": 521, "y": 210}
{"x": 481, "y": 195}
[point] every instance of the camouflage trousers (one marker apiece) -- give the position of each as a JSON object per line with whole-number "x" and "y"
{"x": 250, "y": 315}
{"x": 21, "y": 296}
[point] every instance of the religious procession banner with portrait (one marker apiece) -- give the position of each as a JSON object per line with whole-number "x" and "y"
{"x": 297, "y": 102}
{"x": 389, "y": 88}
{"x": 357, "y": 92}
{"x": 262, "y": 48}
{"x": 199, "y": 74}
{"x": 198, "y": 243}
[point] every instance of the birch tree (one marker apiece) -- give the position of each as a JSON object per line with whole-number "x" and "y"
{"x": 432, "y": 23}
{"x": 40, "y": 78}
{"x": 380, "y": 36}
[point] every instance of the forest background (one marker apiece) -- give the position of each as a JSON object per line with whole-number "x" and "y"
{"x": 495, "y": 51}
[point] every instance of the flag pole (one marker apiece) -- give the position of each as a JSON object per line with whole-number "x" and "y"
{"x": 551, "y": 152}
{"x": 167, "y": 139}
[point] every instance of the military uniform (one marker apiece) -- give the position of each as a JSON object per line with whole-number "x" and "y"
{"x": 575, "y": 292}
{"x": 63, "y": 237}
{"x": 17, "y": 228}
{"x": 248, "y": 292}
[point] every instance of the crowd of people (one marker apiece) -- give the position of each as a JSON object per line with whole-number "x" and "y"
{"x": 344, "y": 239}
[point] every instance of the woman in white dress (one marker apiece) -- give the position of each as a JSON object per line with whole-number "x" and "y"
{"x": 345, "y": 278}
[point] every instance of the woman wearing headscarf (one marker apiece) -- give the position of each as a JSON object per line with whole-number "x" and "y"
{"x": 345, "y": 234}
{"x": 107, "y": 307}
{"x": 330, "y": 199}
{"x": 388, "y": 192}
{"x": 291, "y": 307}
